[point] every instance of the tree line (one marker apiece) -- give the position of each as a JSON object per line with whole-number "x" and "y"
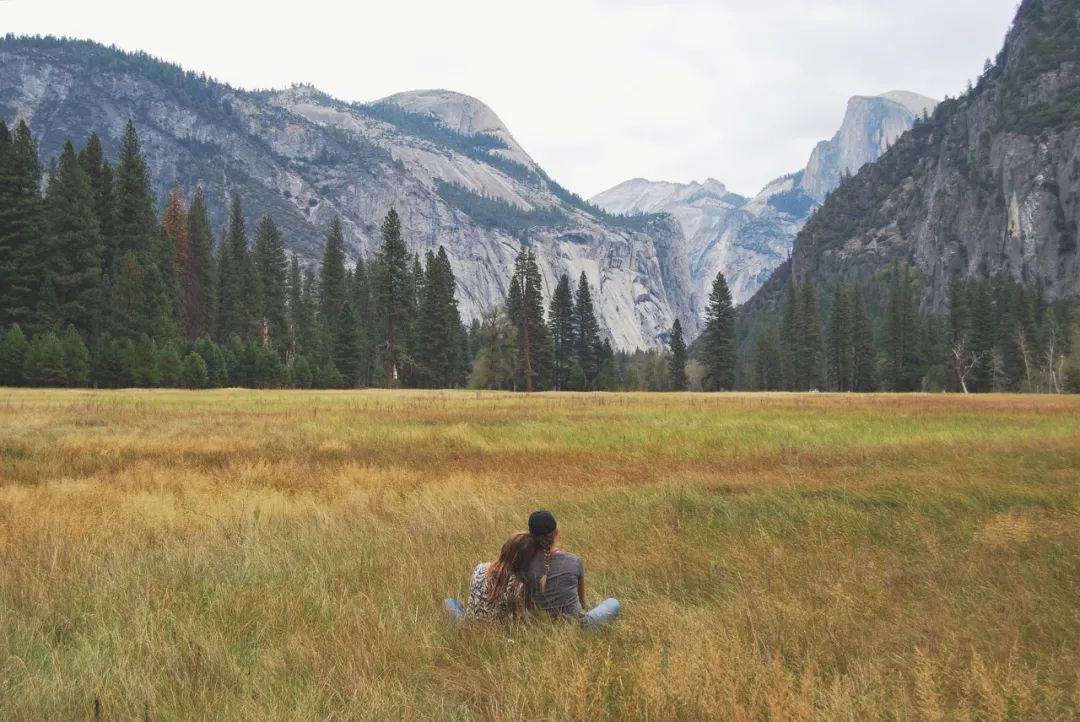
{"x": 995, "y": 335}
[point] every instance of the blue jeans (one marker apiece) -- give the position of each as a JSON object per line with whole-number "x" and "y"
{"x": 454, "y": 608}
{"x": 601, "y": 615}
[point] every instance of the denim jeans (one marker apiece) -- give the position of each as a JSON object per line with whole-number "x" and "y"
{"x": 601, "y": 615}
{"x": 454, "y": 608}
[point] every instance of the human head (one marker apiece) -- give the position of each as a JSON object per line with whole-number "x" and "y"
{"x": 516, "y": 553}
{"x": 542, "y": 523}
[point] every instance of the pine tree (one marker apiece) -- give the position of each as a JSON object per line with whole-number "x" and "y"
{"x": 22, "y": 226}
{"x": 193, "y": 373}
{"x": 273, "y": 268}
{"x": 332, "y": 287}
{"x": 719, "y": 338}
{"x": 176, "y": 253}
{"x": 586, "y": 332}
{"x": 840, "y": 346}
{"x": 198, "y": 282}
{"x": 135, "y": 221}
{"x": 76, "y": 358}
{"x": 217, "y": 374}
{"x": 395, "y": 295}
{"x": 789, "y": 330}
{"x": 239, "y": 295}
{"x": 362, "y": 303}
{"x": 561, "y": 315}
{"x": 43, "y": 365}
{"x": 438, "y": 324}
{"x": 99, "y": 174}
{"x": 144, "y": 363}
{"x": 497, "y": 352}
{"x": 129, "y": 302}
{"x": 75, "y": 248}
{"x": 296, "y": 308}
{"x": 677, "y": 361}
{"x": 109, "y": 365}
{"x": 348, "y": 345}
{"x": 901, "y": 336}
{"x": 13, "y": 348}
{"x": 809, "y": 345}
{"x": 525, "y": 306}
{"x": 862, "y": 341}
{"x": 768, "y": 373}
{"x": 169, "y": 365}
{"x": 982, "y": 339}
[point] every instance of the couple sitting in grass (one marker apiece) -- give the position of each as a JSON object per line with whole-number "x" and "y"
{"x": 531, "y": 577}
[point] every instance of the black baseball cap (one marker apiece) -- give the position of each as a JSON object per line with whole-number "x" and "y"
{"x": 541, "y": 523}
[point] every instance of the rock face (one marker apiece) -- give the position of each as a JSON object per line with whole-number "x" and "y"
{"x": 444, "y": 160}
{"x": 747, "y": 239}
{"x": 989, "y": 184}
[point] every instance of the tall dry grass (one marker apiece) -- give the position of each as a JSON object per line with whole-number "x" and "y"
{"x": 258, "y": 555}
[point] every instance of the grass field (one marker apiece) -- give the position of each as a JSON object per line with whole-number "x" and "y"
{"x": 282, "y": 555}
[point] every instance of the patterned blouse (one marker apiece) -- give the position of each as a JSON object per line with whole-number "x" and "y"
{"x": 479, "y": 607}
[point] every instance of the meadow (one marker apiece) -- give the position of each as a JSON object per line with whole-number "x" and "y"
{"x": 282, "y": 555}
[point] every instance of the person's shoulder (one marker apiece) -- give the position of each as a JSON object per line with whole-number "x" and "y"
{"x": 570, "y": 557}
{"x": 481, "y": 569}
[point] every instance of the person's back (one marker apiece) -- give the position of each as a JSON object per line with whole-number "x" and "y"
{"x": 559, "y": 595}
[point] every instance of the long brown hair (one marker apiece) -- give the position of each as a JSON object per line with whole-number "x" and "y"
{"x": 544, "y": 543}
{"x": 513, "y": 561}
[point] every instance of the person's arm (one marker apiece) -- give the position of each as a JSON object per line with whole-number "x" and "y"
{"x": 581, "y": 584}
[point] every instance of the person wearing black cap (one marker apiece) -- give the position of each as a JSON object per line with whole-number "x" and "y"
{"x": 557, "y": 578}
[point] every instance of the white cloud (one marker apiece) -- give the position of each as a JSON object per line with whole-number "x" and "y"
{"x": 596, "y": 90}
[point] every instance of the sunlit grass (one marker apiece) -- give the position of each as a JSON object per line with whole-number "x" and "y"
{"x": 281, "y": 555}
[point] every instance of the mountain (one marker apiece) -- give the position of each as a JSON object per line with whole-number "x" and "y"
{"x": 989, "y": 184}
{"x": 444, "y": 160}
{"x": 747, "y": 239}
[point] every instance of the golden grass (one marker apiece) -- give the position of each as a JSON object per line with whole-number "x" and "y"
{"x": 281, "y": 555}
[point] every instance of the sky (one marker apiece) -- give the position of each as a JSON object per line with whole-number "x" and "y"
{"x": 597, "y": 91}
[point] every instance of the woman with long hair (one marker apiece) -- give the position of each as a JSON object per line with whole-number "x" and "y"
{"x": 497, "y": 589}
{"x": 556, "y": 579}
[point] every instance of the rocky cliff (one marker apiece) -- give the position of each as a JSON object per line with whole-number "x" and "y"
{"x": 989, "y": 184}
{"x": 747, "y": 239}
{"x": 444, "y": 160}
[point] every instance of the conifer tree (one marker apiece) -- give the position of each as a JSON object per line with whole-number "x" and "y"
{"x": 13, "y": 348}
{"x": 525, "y": 306}
{"x": 789, "y": 330}
{"x": 198, "y": 282}
{"x": 129, "y": 302}
{"x": 586, "y": 331}
{"x": 808, "y": 340}
{"x": 176, "y": 226}
{"x": 76, "y": 358}
{"x": 135, "y": 221}
{"x": 348, "y": 345}
{"x": 364, "y": 307}
{"x": 75, "y": 248}
{"x": 99, "y": 174}
{"x": 273, "y": 268}
{"x": 395, "y": 288}
{"x": 438, "y": 324}
{"x": 561, "y": 316}
{"x": 193, "y": 373}
{"x": 982, "y": 339}
{"x": 862, "y": 340}
{"x": 841, "y": 346}
{"x": 719, "y": 338}
{"x": 22, "y": 224}
{"x": 239, "y": 295}
{"x": 295, "y": 307}
{"x": 332, "y": 286}
{"x": 677, "y": 360}
{"x": 768, "y": 372}
{"x": 901, "y": 336}
{"x": 44, "y": 362}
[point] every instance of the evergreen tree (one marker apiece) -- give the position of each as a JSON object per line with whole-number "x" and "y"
{"x": 438, "y": 350}
{"x": 100, "y": 175}
{"x": 719, "y": 338}
{"x": 198, "y": 279}
{"x": 677, "y": 360}
{"x": 135, "y": 221}
{"x": 332, "y": 286}
{"x": 21, "y": 226}
{"x": 901, "y": 336}
{"x": 497, "y": 352}
{"x": 75, "y": 248}
{"x": 348, "y": 345}
{"x": 808, "y": 341}
{"x": 862, "y": 340}
{"x": 176, "y": 253}
{"x": 169, "y": 365}
{"x": 395, "y": 295}
{"x": 608, "y": 379}
{"x": 13, "y": 348}
{"x": 300, "y": 373}
{"x": 109, "y": 364}
{"x": 525, "y": 306}
{"x": 562, "y": 319}
{"x": 295, "y": 307}
{"x": 239, "y": 295}
{"x": 841, "y": 346}
{"x": 144, "y": 363}
{"x": 43, "y": 365}
{"x": 362, "y": 303}
{"x": 273, "y": 269}
{"x": 982, "y": 339}
{"x": 586, "y": 331}
{"x": 76, "y": 358}
{"x": 193, "y": 373}
{"x": 217, "y": 374}
{"x": 768, "y": 372}
{"x": 129, "y": 301}
{"x": 789, "y": 331}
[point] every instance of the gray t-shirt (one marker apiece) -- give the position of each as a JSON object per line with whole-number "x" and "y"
{"x": 561, "y": 595}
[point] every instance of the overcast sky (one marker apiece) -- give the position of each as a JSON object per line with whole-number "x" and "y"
{"x": 597, "y": 91}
